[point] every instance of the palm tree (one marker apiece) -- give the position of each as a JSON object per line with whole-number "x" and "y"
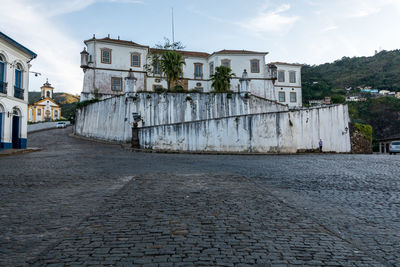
{"x": 221, "y": 79}
{"x": 171, "y": 66}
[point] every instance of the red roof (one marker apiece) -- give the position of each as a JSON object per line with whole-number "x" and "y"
{"x": 115, "y": 41}
{"x": 225, "y": 51}
{"x": 284, "y": 63}
{"x": 186, "y": 53}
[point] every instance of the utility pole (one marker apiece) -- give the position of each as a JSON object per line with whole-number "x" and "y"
{"x": 173, "y": 33}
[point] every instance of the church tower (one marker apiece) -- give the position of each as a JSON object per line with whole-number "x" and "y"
{"x": 47, "y": 90}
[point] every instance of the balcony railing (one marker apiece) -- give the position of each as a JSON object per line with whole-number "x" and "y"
{"x": 18, "y": 92}
{"x": 3, "y": 88}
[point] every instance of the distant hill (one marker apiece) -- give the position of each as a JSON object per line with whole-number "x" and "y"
{"x": 67, "y": 102}
{"x": 381, "y": 71}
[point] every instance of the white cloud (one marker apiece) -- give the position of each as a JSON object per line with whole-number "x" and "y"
{"x": 32, "y": 24}
{"x": 364, "y": 12}
{"x": 270, "y": 21}
{"x": 329, "y": 28}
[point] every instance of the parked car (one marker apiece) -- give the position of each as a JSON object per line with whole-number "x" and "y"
{"x": 394, "y": 147}
{"x": 61, "y": 125}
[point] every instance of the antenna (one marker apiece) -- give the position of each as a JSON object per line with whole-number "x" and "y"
{"x": 173, "y": 33}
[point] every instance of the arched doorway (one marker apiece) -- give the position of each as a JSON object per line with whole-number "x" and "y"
{"x": 16, "y": 128}
{"x": 1, "y": 125}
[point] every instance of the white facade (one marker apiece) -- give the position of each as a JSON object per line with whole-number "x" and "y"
{"x": 14, "y": 83}
{"x": 288, "y": 84}
{"x": 110, "y": 61}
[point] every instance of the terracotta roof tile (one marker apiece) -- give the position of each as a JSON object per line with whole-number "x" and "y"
{"x": 115, "y": 41}
{"x": 284, "y": 63}
{"x": 186, "y": 53}
{"x": 226, "y": 51}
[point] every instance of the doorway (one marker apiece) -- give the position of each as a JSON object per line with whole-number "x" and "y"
{"x": 16, "y": 141}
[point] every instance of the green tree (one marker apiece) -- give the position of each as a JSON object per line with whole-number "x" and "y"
{"x": 338, "y": 99}
{"x": 221, "y": 79}
{"x": 171, "y": 66}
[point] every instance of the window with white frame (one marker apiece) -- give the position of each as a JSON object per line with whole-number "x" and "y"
{"x": 106, "y": 56}
{"x": 39, "y": 112}
{"x": 282, "y": 97}
{"x": 211, "y": 68}
{"x": 293, "y": 97}
{"x": 157, "y": 68}
{"x": 2, "y": 69}
{"x": 198, "y": 70}
{"x": 226, "y": 63}
{"x": 292, "y": 76}
{"x": 116, "y": 84}
{"x": 135, "y": 60}
{"x": 255, "y": 66}
{"x": 281, "y": 76}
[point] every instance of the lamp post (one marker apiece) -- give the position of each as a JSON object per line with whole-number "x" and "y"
{"x": 244, "y": 82}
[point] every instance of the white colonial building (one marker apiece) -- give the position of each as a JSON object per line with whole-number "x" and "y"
{"x": 108, "y": 64}
{"x": 14, "y": 83}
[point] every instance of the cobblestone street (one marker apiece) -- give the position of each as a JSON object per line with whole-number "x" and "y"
{"x": 79, "y": 202}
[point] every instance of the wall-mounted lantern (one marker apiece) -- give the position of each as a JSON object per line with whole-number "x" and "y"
{"x": 273, "y": 72}
{"x": 84, "y": 59}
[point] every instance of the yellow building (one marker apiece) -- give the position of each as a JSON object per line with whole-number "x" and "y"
{"x": 46, "y": 109}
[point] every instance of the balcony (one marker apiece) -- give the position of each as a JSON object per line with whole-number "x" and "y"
{"x": 18, "y": 92}
{"x": 3, "y": 88}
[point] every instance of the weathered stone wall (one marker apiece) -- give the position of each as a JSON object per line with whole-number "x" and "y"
{"x": 112, "y": 119}
{"x": 276, "y": 132}
{"x": 359, "y": 143}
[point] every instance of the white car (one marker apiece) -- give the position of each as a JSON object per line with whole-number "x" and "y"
{"x": 61, "y": 125}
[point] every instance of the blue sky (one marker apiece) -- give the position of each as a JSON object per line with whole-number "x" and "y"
{"x": 301, "y": 31}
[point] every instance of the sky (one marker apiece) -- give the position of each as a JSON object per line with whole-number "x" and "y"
{"x": 296, "y": 31}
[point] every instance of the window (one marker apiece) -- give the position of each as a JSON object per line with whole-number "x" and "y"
{"x": 157, "y": 68}
{"x": 282, "y": 97}
{"x": 56, "y": 114}
{"x": 281, "y": 76}
{"x": 39, "y": 112}
{"x": 157, "y": 87}
{"x": 293, "y": 97}
{"x": 2, "y": 69}
{"x": 106, "y": 56}
{"x": 18, "y": 76}
{"x": 255, "y": 66}
{"x": 292, "y": 76}
{"x": 198, "y": 70}
{"x": 135, "y": 60}
{"x": 226, "y": 63}
{"x": 48, "y": 93}
{"x": 116, "y": 84}
{"x": 211, "y": 68}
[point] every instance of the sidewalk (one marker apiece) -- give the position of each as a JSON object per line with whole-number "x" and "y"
{"x": 13, "y": 151}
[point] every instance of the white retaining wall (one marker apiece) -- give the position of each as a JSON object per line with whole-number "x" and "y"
{"x": 43, "y": 126}
{"x": 112, "y": 119}
{"x": 279, "y": 132}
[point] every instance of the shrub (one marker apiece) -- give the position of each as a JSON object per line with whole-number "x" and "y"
{"x": 365, "y": 129}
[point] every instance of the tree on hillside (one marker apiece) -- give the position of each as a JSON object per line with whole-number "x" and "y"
{"x": 171, "y": 66}
{"x": 221, "y": 79}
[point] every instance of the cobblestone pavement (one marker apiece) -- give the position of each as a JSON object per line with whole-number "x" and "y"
{"x": 80, "y": 202}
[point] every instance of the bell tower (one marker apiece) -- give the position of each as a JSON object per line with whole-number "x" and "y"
{"x": 47, "y": 90}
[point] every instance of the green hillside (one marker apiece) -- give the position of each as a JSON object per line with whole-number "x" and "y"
{"x": 67, "y": 102}
{"x": 381, "y": 71}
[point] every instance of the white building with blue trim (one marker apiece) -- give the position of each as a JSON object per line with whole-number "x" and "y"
{"x": 14, "y": 82}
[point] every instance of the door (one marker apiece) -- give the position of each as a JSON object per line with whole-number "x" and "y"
{"x": 15, "y": 133}
{"x": 1, "y": 129}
